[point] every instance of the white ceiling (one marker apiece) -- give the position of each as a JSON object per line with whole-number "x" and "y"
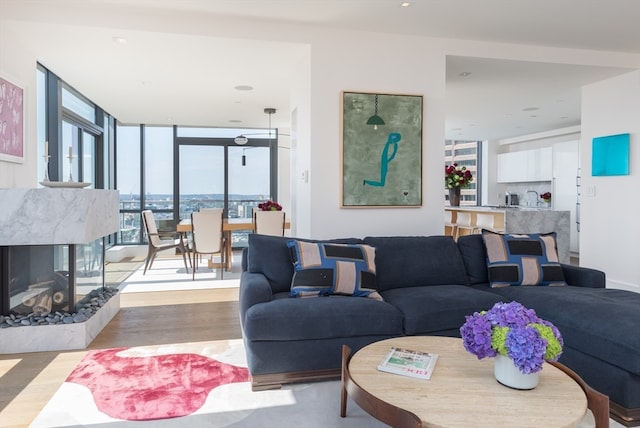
{"x": 187, "y": 77}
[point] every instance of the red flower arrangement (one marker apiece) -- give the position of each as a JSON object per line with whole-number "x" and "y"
{"x": 270, "y": 206}
{"x": 546, "y": 196}
{"x": 457, "y": 176}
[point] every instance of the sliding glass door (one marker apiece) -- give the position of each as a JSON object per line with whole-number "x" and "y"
{"x": 201, "y": 177}
{"x": 217, "y": 173}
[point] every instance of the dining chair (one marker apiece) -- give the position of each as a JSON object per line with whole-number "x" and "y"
{"x": 208, "y": 237}
{"x": 157, "y": 244}
{"x": 269, "y": 222}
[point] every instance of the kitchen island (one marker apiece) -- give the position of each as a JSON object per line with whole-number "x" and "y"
{"x": 515, "y": 219}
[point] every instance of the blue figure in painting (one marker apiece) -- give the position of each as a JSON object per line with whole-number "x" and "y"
{"x": 392, "y": 141}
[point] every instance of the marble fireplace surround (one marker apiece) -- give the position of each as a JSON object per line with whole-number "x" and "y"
{"x": 57, "y": 216}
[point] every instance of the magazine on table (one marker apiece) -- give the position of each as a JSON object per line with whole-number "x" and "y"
{"x": 409, "y": 363}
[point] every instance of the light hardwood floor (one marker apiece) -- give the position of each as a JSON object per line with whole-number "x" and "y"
{"x": 28, "y": 381}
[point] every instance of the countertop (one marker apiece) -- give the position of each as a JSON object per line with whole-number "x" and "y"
{"x": 502, "y": 208}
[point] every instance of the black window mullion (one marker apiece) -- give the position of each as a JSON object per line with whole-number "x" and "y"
{"x": 176, "y": 176}
{"x": 143, "y": 201}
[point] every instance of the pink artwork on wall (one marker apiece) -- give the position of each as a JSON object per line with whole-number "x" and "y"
{"x": 11, "y": 121}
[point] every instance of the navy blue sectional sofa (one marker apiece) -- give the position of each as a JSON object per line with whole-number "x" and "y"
{"x": 428, "y": 285}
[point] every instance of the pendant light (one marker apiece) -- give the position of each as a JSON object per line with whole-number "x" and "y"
{"x": 375, "y": 120}
{"x": 270, "y": 111}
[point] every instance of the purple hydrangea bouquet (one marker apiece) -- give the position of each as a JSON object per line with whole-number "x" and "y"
{"x": 514, "y": 331}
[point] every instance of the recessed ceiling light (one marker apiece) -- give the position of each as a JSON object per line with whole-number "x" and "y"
{"x": 465, "y": 74}
{"x": 531, "y": 108}
{"x": 405, "y": 4}
{"x": 534, "y": 115}
{"x": 564, "y": 117}
{"x": 243, "y": 88}
{"x": 235, "y": 121}
{"x": 119, "y": 40}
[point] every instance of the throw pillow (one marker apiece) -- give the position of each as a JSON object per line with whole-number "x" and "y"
{"x": 525, "y": 259}
{"x": 323, "y": 269}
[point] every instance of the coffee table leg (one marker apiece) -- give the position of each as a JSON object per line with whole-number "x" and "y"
{"x": 346, "y": 353}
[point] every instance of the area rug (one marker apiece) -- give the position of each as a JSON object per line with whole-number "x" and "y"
{"x": 188, "y": 385}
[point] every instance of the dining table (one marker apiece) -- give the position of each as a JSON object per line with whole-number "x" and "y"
{"x": 229, "y": 225}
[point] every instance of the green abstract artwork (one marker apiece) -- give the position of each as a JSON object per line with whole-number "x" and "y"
{"x": 381, "y": 150}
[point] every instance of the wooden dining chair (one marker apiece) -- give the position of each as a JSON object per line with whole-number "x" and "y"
{"x": 208, "y": 237}
{"x": 157, "y": 244}
{"x": 269, "y": 222}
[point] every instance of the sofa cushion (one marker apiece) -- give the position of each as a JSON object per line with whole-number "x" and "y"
{"x": 601, "y": 322}
{"x": 270, "y": 256}
{"x": 436, "y": 308}
{"x": 323, "y": 268}
{"x": 474, "y": 257}
{"x": 522, "y": 259}
{"x": 285, "y": 318}
{"x": 414, "y": 261}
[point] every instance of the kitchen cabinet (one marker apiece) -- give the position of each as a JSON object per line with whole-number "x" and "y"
{"x": 525, "y": 165}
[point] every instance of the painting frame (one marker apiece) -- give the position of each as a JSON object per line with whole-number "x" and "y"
{"x": 12, "y": 123}
{"x": 381, "y": 150}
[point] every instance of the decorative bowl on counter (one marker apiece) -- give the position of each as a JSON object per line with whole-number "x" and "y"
{"x": 65, "y": 184}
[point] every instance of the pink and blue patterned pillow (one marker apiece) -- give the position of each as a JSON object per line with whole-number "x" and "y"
{"x": 522, "y": 259}
{"x": 324, "y": 269}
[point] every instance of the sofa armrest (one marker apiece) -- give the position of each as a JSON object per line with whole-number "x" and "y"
{"x": 583, "y": 277}
{"x": 254, "y": 289}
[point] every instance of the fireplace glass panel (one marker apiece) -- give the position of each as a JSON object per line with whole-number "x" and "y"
{"x": 49, "y": 278}
{"x": 89, "y": 268}
{"x": 37, "y": 279}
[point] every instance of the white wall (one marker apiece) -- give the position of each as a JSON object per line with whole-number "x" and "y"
{"x": 18, "y": 65}
{"x": 609, "y": 222}
{"x": 350, "y": 61}
{"x": 301, "y": 148}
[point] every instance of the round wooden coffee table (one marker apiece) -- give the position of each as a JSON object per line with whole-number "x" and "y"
{"x": 462, "y": 391}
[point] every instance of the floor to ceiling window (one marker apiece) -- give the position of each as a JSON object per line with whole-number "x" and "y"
{"x": 76, "y": 134}
{"x": 175, "y": 171}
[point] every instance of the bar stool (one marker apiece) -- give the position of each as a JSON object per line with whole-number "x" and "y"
{"x": 449, "y": 225}
{"x": 485, "y": 221}
{"x": 463, "y": 222}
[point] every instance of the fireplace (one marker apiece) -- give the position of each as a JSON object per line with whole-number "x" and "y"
{"x": 52, "y": 284}
{"x": 49, "y": 279}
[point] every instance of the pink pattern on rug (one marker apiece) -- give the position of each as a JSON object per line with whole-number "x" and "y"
{"x": 156, "y": 387}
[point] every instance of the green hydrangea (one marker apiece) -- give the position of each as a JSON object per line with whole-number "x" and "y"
{"x": 554, "y": 347}
{"x": 499, "y": 339}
